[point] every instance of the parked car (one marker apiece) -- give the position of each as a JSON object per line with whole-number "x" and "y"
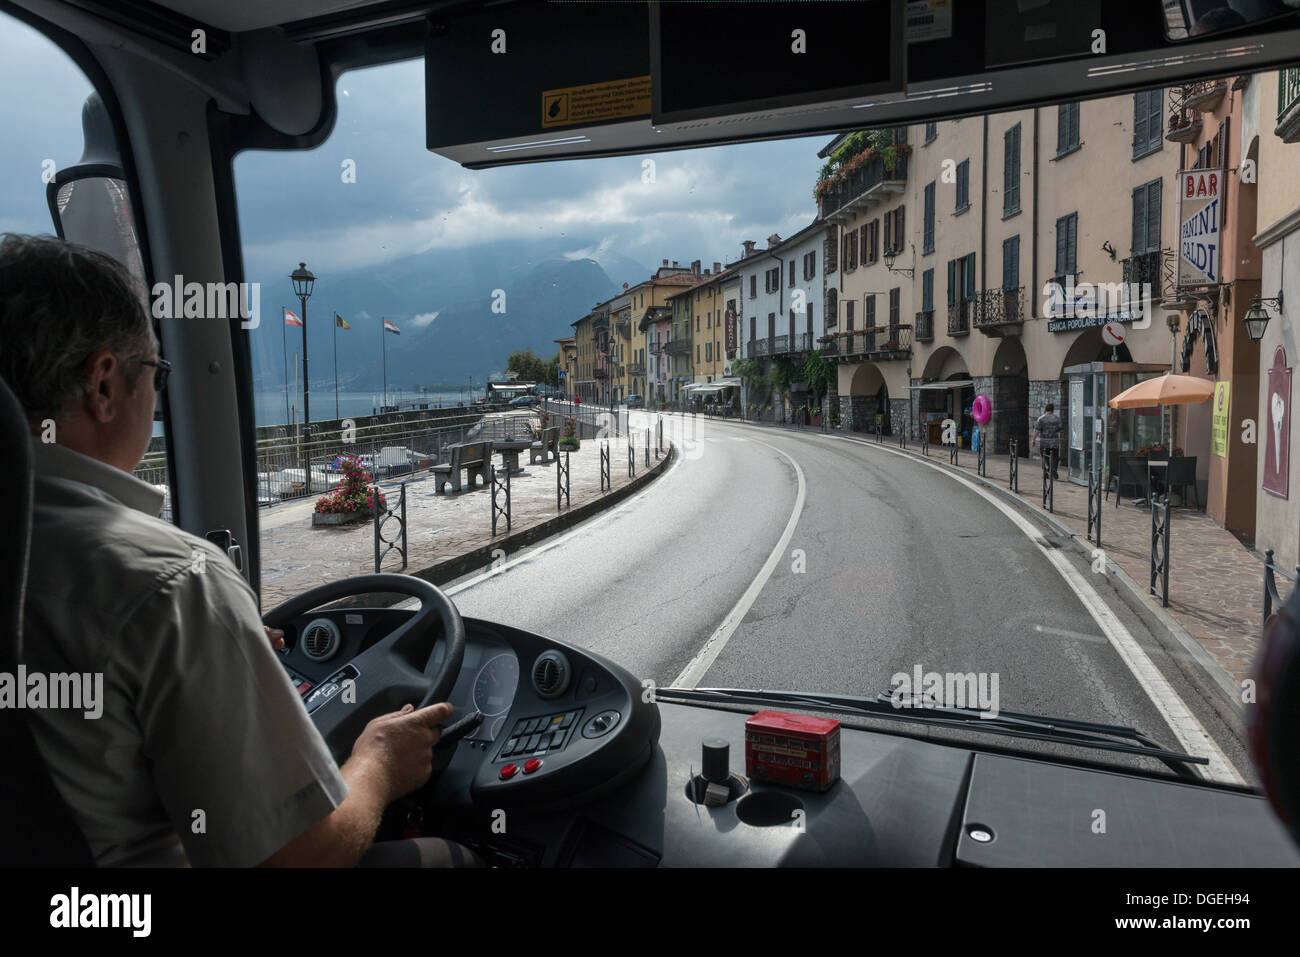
{"x": 523, "y": 402}
{"x": 634, "y": 402}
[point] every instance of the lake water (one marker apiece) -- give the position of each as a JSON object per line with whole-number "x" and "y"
{"x": 270, "y": 406}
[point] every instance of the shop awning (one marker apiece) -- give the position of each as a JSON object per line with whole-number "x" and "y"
{"x": 943, "y": 386}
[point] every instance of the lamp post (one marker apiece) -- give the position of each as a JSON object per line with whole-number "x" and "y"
{"x": 303, "y": 281}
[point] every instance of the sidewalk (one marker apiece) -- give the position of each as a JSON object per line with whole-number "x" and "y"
{"x": 297, "y": 556}
{"x": 1215, "y": 583}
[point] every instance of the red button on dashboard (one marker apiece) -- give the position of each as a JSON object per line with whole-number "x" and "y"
{"x": 531, "y": 765}
{"x": 509, "y": 771}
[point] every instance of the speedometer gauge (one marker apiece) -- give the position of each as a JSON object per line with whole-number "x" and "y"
{"x": 494, "y": 688}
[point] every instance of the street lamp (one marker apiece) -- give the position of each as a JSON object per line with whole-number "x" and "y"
{"x": 1257, "y": 316}
{"x": 303, "y": 281}
{"x": 891, "y": 255}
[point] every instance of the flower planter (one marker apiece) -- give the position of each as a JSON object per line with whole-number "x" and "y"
{"x": 570, "y": 445}
{"x": 338, "y": 518}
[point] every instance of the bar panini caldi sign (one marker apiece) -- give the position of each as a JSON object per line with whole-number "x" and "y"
{"x": 1200, "y": 215}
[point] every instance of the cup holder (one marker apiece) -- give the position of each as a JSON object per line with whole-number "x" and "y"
{"x": 736, "y": 785}
{"x": 768, "y": 808}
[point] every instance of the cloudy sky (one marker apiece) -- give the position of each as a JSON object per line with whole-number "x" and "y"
{"x": 406, "y": 200}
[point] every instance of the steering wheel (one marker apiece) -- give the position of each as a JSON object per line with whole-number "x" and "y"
{"x": 393, "y": 670}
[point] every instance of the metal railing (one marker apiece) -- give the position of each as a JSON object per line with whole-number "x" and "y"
{"x": 562, "y": 481}
{"x": 1288, "y": 90}
{"x": 606, "y": 483}
{"x": 678, "y": 345}
{"x": 1271, "y": 596}
{"x": 924, "y": 326}
{"x": 279, "y": 467}
{"x": 382, "y": 517}
{"x": 1095, "y": 486}
{"x": 982, "y": 455}
{"x": 1160, "y": 515}
{"x": 868, "y": 177}
{"x": 500, "y": 491}
{"x": 885, "y": 342}
{"x": 1049, "y": 479}
{"x": 1013, "y": 470}
{"x": 1144, "y": 268}
{"x": 996, "y": 307}
{"x": 959, "y": 318}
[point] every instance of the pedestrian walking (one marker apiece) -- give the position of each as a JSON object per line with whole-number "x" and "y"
{"x": 1048, "y": 427}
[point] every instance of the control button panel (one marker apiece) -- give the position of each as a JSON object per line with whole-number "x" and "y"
{"x": 543, "y": 735}
{"x": 328, "y": 688}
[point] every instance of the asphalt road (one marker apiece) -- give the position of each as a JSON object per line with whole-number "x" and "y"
{"x": 889, "y": 566}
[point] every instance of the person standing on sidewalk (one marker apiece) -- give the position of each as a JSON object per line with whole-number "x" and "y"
{"x": 1049, "y": 427}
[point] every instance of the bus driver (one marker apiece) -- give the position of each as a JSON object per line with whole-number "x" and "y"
{"x": 203, "y": 753}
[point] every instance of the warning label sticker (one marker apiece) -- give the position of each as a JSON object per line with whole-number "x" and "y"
{"x": 596, "y": 102}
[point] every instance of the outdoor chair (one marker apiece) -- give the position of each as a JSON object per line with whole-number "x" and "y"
{"x": 1132, "y": 474}
{"x": 1181, "y": 475}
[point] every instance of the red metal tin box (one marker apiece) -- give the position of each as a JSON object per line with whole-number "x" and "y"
{"x": 794, "y": 749}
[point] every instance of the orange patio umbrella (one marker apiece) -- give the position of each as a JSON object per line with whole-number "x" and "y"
{"x": 1164, "y": 390}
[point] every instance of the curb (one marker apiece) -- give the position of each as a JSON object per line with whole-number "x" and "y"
{"x": 452, "y": 568}
{"x": 1228, "y": 693}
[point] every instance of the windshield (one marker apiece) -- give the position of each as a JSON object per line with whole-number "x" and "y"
{"x": 885, "y": 361}
{"x": 868, "y": 413}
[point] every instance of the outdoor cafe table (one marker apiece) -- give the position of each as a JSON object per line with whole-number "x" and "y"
{"x": 510, "y": 450}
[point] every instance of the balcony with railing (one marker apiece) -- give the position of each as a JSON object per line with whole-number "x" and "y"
{"x": 923, "y": 330}
{"x": 959, "y": 318}
{"x": 998, "y": 312}
{"x": 1288, "y": 105}
{"x": 872, "y": 183}
{"x": 1205, "y": 95}
{"x": 636, "y": 368}
{"x": 678, "y": 346}
{"x": 879, "y": 343}
{"x": 600, "y": 323}
{"x": 623, "y": 324}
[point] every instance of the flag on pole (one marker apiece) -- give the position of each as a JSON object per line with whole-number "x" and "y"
{"x": 389, "y": 327}
{"x": 339, "y": 322}
{"x": 291, "y": 319}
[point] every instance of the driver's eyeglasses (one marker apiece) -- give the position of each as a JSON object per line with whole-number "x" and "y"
{"x": 161, "y": 369}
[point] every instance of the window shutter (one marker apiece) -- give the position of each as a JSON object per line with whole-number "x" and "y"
{"x": 1156, "y": 115}
{"x": 1061, "y": 239}
{"x": 810, "y": 324}
{"x": 1062, "y": 126}
{"x": 1074, "y": 243}
{"x": 1153, "y": 216}
{"x": 898, "y": 229}
{"x": 1074, "y": 123}
{"x": 888, "y": 230}
{"x": 970, "y": 277}
{"x": 927, "y": 291}
{"x": 869, "y": 312}
{"x": 848, "y": 313}
{"x": 952, "y": 281}
{"x": 1140, "y": 111}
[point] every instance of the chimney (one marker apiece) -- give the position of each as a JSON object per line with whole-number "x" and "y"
{"x": 695, "y": 267}
{"x": 773, "y": 241}
{"x": 665, "y": 262}
{"x": 717, "y": 268}
{"x": 674, "y": 263}
{"x": 625, "y": 287}
{"x": 749, "y": 247}
{"x": 706, "y": 272}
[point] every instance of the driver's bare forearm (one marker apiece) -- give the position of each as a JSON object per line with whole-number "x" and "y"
{"x": 341, "y": 839}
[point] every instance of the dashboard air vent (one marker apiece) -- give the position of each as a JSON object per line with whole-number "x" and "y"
{"x": 551, "y": 674}
{"x": 320, "y": 640}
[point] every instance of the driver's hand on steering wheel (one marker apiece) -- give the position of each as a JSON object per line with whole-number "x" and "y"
{"x": 397, "y": 749}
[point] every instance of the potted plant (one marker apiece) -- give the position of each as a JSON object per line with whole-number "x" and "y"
{"x": 835, "y": 418}
{"x": 570, "y": 438}
{"x": 352, "y": 501}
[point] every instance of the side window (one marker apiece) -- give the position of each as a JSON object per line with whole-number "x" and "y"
{"x": 39, "y": 162}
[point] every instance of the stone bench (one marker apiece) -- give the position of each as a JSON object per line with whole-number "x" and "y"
{"x": 473, "y": 457}
{"x": 545, "y": 449}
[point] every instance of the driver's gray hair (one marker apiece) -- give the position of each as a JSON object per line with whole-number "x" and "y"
{"x": 59, "y": 304}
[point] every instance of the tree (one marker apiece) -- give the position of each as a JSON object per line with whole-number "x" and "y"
{"x": 529, "y": 366}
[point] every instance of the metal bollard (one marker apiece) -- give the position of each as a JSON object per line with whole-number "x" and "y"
{"x": 605, "y": 483}
{"x": 982, "y": 455}
{"x": 499, "y": 486}
{"x": 1160, "y": 549}
{"x": 562, "y": 481}
{"x": 1049, "y": 485}
{"x": 1094, "y": 506}
{"x": 1013, "y": 473}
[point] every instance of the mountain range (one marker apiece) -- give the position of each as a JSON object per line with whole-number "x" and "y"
{"x": 443, "y": 304}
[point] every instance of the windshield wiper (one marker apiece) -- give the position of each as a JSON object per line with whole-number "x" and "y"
{"x": 1087, "y": 734}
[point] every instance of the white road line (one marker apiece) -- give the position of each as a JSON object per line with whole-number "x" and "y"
{"x": 695, "y": 670}
{"x": 1191, "y": 734}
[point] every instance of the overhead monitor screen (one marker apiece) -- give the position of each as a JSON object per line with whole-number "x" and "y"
{"x": 714, "y": 59}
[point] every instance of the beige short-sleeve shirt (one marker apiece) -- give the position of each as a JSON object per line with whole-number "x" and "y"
{"x": 202, "y": 752}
